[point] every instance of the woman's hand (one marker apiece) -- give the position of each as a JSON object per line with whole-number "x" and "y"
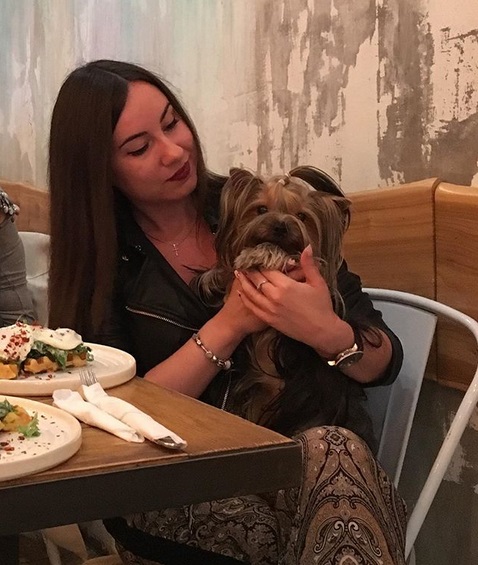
{"x": 236, "y": 316}
{"x": 300, "y": 307}
{"x": 189, "y": 370}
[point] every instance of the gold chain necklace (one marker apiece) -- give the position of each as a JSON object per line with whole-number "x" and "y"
{"x": 174, "y": 245}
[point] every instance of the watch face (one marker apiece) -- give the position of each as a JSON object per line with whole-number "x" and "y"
{"x": 350, "y": 359}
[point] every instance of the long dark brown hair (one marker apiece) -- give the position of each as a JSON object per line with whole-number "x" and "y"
{"x": 83, "y": 197}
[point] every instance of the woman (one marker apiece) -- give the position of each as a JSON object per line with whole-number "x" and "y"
{"x": 15, "y": 299}
{"x": 139, "y": 210}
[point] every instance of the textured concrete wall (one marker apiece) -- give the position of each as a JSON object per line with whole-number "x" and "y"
{"x": 375, "y": 91}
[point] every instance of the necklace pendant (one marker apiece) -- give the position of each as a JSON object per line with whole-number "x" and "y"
{"x": 175, "y": 249}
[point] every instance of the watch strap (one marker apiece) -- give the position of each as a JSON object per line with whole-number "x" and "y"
{"x": 346, "y": 355}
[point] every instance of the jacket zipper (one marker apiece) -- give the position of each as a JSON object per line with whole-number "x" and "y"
{"x": 163, "y": 318}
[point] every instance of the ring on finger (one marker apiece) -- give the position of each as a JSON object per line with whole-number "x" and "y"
{"x": 259, "y": 285}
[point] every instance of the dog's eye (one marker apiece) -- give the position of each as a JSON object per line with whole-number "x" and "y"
{"x": 301, "y": 216}
{"x": 262, "y": 210}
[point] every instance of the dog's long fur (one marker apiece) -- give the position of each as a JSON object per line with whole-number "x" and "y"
{"x": 266, "y": 224}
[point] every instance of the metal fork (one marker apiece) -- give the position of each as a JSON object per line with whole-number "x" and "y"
{"x": 88, "y": 378}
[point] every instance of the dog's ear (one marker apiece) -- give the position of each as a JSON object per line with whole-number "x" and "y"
{"x": 318, "y": 179}
{"x": 324, "y": 183}
{"x": 237, "y": 193}
{"x": 342, "y": 203}
{"x": 239, "y": 177}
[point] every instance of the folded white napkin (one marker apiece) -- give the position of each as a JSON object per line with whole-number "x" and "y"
{"x": 130, "y": 415}
{"x": 72, "y": 402}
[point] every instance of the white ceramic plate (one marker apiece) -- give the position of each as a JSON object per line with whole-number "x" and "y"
{"x": 60, "y": 438}
{"x": 112, "y": 367}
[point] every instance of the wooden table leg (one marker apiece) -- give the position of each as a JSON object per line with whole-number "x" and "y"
{"x": 9, "y": 550}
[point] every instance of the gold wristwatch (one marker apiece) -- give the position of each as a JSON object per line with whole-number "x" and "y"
{"x": 347, "y": 357}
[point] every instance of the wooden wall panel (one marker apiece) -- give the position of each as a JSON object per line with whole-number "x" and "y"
{"x": 456, "y": 217}
{"x": 34, "y": 206}
{"x": 390, "y": 242}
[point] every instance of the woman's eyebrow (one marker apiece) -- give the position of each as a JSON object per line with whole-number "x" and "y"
{"x": 141, "y": 133}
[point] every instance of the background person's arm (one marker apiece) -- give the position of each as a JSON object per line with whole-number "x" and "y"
{"x": 15, "y": 298}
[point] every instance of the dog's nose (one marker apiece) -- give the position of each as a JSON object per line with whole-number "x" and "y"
{"x": 280, "y": 229}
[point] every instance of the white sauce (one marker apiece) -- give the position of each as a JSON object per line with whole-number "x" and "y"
{"x": 62, "y": 338}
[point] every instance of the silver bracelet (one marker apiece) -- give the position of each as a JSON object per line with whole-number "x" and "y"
{"x": 6, "y": 205}
{"x": 225, "y": 364}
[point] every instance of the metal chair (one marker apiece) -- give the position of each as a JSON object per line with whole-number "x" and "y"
{"x": 413, "y": 319}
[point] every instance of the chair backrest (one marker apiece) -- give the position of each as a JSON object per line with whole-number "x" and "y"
{"x": 37, "y": 251}
{"x": 392, "y": 408}
{"x": 382, "y": 298}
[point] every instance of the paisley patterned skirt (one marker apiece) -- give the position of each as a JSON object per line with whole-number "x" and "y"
{"x": 346, "y": 512}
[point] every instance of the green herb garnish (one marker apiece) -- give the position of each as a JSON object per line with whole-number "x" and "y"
{"x": 5, "y": 408}
{"x": 31, "y": 429}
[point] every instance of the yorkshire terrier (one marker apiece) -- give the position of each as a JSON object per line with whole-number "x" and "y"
{"x": 265, "y": 225}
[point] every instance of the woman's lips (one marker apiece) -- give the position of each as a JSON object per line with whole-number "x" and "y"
{"x": 182, "y": 174}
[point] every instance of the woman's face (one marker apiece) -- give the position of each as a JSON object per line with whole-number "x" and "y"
{"x": 154, "y": 153}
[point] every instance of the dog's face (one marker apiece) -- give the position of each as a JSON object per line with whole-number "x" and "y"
{"x": 279, "y": 215}
{"x": 268, "y": 223}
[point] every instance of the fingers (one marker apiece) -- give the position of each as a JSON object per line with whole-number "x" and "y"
{"x": 311, "y": 272}
{"x": 265, "y": 282}
{"x": 307, "y": 257}
{"x": 269, "y": 284}
{"x": 253, "y": 282}
{"x": 260, "y": 283}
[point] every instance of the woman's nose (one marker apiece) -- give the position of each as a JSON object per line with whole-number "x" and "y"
{"x": 169, "y": 152}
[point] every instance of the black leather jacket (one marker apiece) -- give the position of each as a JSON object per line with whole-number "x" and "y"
{"x": 156, "y": 311}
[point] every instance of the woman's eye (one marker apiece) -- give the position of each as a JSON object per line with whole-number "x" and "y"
{"x": 262, "y": 210}
{"x": 301, "y": 216}
{"x": 138, "y": 152}
{"x": 171, "y": 124}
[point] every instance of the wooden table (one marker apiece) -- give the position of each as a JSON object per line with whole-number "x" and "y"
{"x": 226, "y": 456}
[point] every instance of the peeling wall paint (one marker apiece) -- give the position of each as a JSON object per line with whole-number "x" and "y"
{"x": 405, "y": 61}
{"x": 374, "y": 91}
{"x": 454, "y": 149}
